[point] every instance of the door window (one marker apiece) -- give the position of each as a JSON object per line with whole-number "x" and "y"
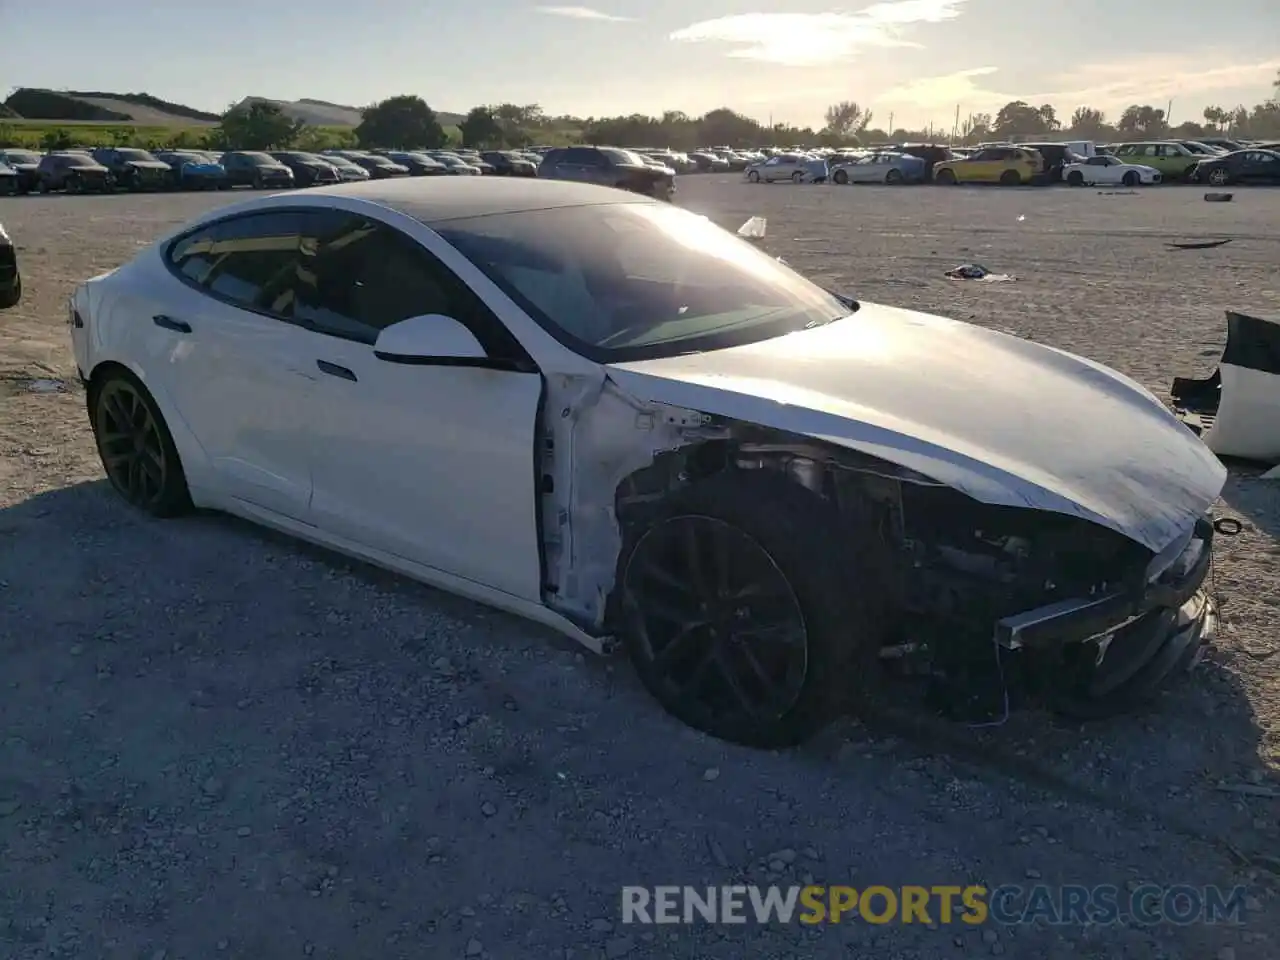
{"x": 356, "y": 277}
{"x": 582, "y": 155}
{"x": 247, "y": 261}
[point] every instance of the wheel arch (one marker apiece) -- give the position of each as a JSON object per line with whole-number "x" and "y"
{"x": 857, "y": 489}
{"x": 190, "y": 451}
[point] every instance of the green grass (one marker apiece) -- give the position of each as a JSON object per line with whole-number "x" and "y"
{"x": 41, "y": 134}
{"x": 38, "y": 134}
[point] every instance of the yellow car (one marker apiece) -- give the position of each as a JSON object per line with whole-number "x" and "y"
{"x": 1008, "y": 166}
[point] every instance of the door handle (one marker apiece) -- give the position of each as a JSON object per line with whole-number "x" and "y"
{"x": 335, "y": 371}
{"x": 179, "y": 326}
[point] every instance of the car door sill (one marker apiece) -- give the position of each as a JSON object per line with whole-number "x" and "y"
{"x": 533, "y": 610}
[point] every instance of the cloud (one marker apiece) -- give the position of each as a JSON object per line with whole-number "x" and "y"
{"x": 582, "y": 13}
{"x": 946, "y": 90}
{"x": 1118, "y": 85}
{"x": 809, "y": 39}
{"x": 1109, "y": 86}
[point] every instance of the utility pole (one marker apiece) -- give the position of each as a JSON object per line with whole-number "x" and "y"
{"x": 1168, "y": 113}
{"x": 890, "y": 130}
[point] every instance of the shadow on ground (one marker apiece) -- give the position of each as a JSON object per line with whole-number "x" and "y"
{"x": 219, "y": 742}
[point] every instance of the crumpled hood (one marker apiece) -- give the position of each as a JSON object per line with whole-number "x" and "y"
{"x": 1002, "y": 419}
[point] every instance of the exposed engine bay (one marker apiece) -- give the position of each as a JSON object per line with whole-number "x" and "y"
{"x": 988, "y": 604}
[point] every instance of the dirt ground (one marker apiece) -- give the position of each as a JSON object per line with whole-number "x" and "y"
{"x": 217, "y": 743}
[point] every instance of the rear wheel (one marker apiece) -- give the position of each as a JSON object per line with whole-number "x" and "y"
{"x": 840, "y": 177}
{"x": 1075, "y": 178}
{"x": 1010, "y": 178}
{"x": 753, "y": 176}
{"x": 893, "y": 176}
{"x": 1131, "y": 178}
{"x": 743, "y": 612}
{"x": 946, "y": 177}
{"x": 136, "y": 447}
{"x": 1219, "y": 177}
{"x": 797, "y": 177}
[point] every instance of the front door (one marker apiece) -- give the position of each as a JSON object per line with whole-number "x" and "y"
{"x": 233, "y": 360}
{"x": 430, "y": 462}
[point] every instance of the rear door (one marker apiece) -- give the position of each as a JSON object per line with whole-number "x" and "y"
{"x": 235, "y": 362}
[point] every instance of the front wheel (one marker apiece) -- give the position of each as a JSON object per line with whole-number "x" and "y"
{"x": 946, "y": 177}
{"x": 840, "y": 177}
{"x": 745, "y": 612}
{"x": 753, "y": 177}
{"x": 136, "y": 447}
{"x": 1219, "y": 178}
{"x": 1075, "y": 179}
{"x": 893, "y": 176}
{"x": 12, "y": 296}
{"x": 1131, "y": 178}
{"x": 797, "y": 177}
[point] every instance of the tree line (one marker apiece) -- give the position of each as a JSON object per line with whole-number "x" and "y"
{"x": 408, "y": 122}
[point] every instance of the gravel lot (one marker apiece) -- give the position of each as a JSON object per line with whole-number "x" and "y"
{"x": 217, "y": 743}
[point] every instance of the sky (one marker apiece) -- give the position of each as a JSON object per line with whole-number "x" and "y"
{"x": 916, "y": 60}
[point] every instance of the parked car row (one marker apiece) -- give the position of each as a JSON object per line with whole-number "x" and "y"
{"x": 1077, "y": 164}
{"x": 107, "y": 169}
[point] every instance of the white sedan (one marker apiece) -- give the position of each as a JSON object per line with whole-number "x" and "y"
{"x": 1108, "y": 171}
{"x": 607, "y": 414}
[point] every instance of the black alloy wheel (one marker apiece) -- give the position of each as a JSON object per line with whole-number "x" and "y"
{"x": 719, "y": 627}
{"x": 736, "y": 610}
{"x": 136, "y": 448}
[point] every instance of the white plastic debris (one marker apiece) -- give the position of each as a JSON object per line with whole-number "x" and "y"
{"x": 754, "y": 228}
{"x": 46, "y": 386}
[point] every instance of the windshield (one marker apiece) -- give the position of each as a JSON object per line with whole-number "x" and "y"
{"x": 624, "y": 156}
{"x": 137, "y": 155}
{"x": 633, "y": 281}
{"x": 79, "y": 160}
{"x": 20, "y": 156}
{"x": 262, "y": 159}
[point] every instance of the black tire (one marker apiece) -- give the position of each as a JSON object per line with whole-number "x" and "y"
{"x": 893, "y": 176}
{"x": 1219, "y": 177}
{"x": 753, "y": 177}
{"x": 946, "y": 177}
{"x": 1010, "y": 178}
{"x": 841, "y": 177}
{"x": 1075, "y": 179}
{"x": 1131, "y": 178}
{"x": 135, "y": 445}
{"x": 13, "y": 296}
{"x": 788, "y": 534}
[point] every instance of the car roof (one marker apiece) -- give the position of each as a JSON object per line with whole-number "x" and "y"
{"x": 434, "y": 200}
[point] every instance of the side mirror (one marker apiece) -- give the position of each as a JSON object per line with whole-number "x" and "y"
{"x": 433, "y": 338}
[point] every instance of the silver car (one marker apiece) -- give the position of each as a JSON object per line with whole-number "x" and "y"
{"x": 785, "y": 166}
{"x": 879, "y": 168}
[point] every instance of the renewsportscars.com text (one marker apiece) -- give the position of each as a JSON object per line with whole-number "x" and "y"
{"x": 972, "y": 905}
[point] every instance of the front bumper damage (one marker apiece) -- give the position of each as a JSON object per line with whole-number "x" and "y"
{"x": 1099, "y": 656}
{"x": 1235, "y": 410}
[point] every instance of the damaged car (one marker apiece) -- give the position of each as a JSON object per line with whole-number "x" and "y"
{"x": 10, "y": 278}
{"x": 773, "y": 496}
